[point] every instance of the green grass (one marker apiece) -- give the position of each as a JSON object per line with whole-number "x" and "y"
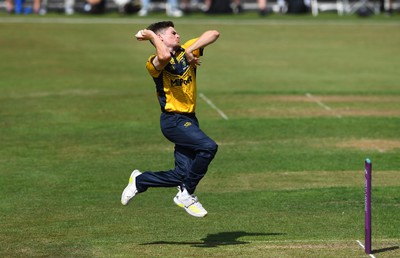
{"x": 78, "y": 112}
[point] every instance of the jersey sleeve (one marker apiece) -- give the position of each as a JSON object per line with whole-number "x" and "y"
{"x": 151, "y": 68}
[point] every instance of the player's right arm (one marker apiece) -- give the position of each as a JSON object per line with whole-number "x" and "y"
{"x": 163, "y": 55}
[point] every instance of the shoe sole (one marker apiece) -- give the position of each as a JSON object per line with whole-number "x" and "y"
{"x": 177, "y": 202}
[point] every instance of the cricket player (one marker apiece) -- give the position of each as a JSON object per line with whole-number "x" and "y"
{"x": 173, "y": 69}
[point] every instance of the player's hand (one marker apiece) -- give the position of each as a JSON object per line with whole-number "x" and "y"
{"x": 143, "y": 35}
{"x": 195, "y": 61}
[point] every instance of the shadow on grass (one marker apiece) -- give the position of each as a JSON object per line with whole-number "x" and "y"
{"x": 386, "y": 249}
{"x": 219, "y": 239}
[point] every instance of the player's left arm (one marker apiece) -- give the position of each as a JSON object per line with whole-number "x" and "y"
{"x": 204, "y": 40}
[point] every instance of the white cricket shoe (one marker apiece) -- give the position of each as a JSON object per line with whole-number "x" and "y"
{"x": 130, "y": 190}
{"x": 190, "y": 203}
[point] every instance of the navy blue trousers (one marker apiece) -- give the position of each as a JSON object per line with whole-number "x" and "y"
{"x": 194, "y": 151}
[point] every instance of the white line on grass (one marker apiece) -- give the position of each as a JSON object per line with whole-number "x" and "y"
{"x": 363, "y": 247}
{"x": 209, "y": 102}
{"x": 320, "y": 103}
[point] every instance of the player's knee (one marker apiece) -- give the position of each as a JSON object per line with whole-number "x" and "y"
{"x": 214, "y": 148}
{"x": 209, "y": 150}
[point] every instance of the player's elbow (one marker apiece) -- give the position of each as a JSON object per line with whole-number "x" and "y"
{"x": 215, "y": 34}
{"x": 212, "y": 36}
{"x": 164, "y": 57}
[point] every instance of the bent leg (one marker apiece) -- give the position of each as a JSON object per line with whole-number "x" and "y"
{"x": 184, "y": 131}
{"x": 171, "y": 178}
{"x": 194, "y": 151}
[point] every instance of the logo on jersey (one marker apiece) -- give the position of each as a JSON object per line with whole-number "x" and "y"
{"x": 187, "y": 124}
{"x": 180, "y": 81}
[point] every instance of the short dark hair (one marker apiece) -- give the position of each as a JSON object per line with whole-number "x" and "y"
{"x": 158, "y": 26}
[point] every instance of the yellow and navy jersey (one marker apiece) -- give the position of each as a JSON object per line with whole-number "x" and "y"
{"x": 176, "y": 83}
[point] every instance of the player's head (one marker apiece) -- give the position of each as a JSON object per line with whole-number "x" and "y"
{"x": 165, "y": 30}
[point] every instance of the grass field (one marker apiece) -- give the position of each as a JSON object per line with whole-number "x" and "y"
{"x": 307, "y": 100}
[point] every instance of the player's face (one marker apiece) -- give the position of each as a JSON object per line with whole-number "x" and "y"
{"x": 170, "y": 37}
